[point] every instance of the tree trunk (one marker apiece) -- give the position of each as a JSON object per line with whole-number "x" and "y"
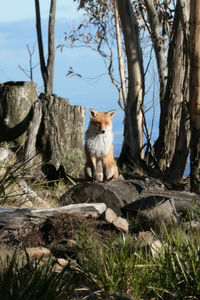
{"x": 172, "y": 145}
{"x": 46, "y": 70}
{"x": 159, "y": 44}
{"x": 16, "y": 100}
{"x": 120, "y": 56}
{"x": 51, "y": 50}
{"x": 30, "y": 144}
{"x": 195, "y": 94}
{"x": 133, "y": 131}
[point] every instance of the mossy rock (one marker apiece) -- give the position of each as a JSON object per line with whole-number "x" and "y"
{"x": 73, "y": 163}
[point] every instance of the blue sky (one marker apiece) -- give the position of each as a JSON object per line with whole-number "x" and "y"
{"x": 17, "y": 29}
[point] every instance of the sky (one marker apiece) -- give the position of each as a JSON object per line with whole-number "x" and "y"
{"x": 17, "y": 30}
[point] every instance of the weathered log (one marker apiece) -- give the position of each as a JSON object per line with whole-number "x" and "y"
{"x": 17, "y": 224}
{"x": 145, "y": 192}
{"x": 16, "y": 100}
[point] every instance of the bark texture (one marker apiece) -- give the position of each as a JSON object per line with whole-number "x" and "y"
{"x": 47, "y": 70}
{"x": 195, "y": 94}
{"x": 172, "y": 146}
{"x": 133, "y": 133}
{"x": 62, "y": 128}
{"x": 16, "y": 100}
{"x": 159, "y": 44}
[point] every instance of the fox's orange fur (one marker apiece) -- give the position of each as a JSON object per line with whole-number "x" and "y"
{"x": 100, "y": 162}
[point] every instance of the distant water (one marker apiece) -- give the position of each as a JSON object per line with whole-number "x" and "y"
{"x": 117, "y": 149}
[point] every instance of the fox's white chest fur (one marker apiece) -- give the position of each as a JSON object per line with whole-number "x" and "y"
{"x": 98, "y": 144}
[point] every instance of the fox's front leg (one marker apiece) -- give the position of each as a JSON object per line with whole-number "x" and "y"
{"x": 90, "y": 169}
{"x": 110, "y": 170}
{"x": 93, "y": 168}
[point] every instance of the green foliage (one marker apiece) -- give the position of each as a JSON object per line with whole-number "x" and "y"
{"x": 112, "y": 266}
{"x": 33, "y": 281}
{"x": 176, "y": 270}
{"x": 118, "y": 267}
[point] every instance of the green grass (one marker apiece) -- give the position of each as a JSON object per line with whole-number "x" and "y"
{"x": 113, "y": 266}
{"x": 119, "y": 267}
{"x": 33, "y": 281}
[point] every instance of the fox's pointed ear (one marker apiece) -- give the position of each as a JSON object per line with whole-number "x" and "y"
{"x": 111, "y": 112}
{"x": 93, "y": 113}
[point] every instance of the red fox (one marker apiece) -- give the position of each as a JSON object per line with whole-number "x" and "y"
{"x": 100, "y": 163}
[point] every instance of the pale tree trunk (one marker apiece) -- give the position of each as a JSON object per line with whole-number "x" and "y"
{"x": 133, "y": 131}
{"x": 159, "y": 44}
{"x": 172, "y": 145}
{"x": 195, "y": 94}
{"x": 120, "y": 57}
{"x": 47, "y": 70}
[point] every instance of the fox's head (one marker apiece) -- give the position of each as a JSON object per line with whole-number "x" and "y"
{"x": 101, "y": 122}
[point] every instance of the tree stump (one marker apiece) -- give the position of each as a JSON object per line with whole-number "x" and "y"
{"x": 61, "y": 128}
{"x": 16, "y": 100}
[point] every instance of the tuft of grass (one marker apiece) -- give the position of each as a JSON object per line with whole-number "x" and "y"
{"x": 176, "y": 269}
{"x": 33, "y": 281}
{"x": 118, "y": 267}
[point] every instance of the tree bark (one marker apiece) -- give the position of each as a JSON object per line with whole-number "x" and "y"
{"x": 61, "y": 129}
{"x": 120, "y": 56}
{"x": 30, "y": 144}
{"x": 172, "y": 145}
{"x": 195, "y": 94}
{"x": 40, "y": 43}
{"x": 46, "y": 70}
{"x": 16, "y": 100}
{"x": 159, "y": 44}
{"x": 133, "y": 131}
{"x": 51, "y": 50}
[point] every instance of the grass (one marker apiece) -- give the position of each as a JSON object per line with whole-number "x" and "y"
{"x": 33, "y": 281}
{"x": 119, "y": 267}
{"x": 109, "y": 266}
{"x": 112, "y": 266}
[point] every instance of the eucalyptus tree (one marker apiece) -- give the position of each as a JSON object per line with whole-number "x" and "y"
{"x": 47, "y": 68}
{"x": 195, "y": 94}
{"x": 166, "y": 24}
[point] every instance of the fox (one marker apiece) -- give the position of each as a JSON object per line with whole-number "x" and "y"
{"x": 100, "y": 163}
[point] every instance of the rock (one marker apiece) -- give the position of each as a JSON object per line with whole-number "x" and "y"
{"x": 58, "y": 268}
{"x": 121, "y": 224}
{"x": 4, "y": 153}
{"x": 110, "y": 215}
{"x": 155, "y": 247}
{"x": 38, "y": 252}
{"x": 145, "y": 238}
{"x": 62, "y": 262}
{"x": 115, "y": 194}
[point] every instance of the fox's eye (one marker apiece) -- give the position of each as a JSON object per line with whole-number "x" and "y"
{"x": 98, "y": 124}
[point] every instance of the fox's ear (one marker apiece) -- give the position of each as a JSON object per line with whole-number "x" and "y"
{"x": 93, "y": 113}
{"x": 111, "y": 113}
